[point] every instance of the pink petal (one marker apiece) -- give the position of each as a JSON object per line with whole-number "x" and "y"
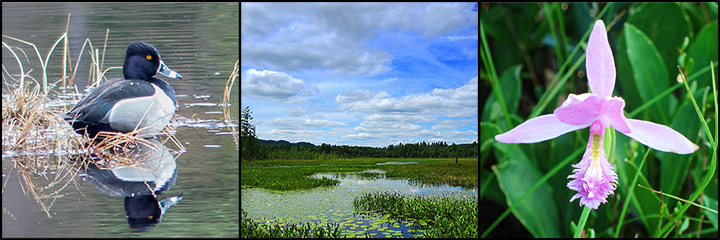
{"x": 579, "y": 109}
{"x": 593, "y": 186}
{"x": 599, "y": 62}
{"x": 660, "y": 137}
{"x": 537, "y": 130}
{"x": 613, "y": 109}
{"x": 594, "y": 177}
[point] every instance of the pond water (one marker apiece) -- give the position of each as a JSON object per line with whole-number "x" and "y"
{"x": 334, "y": 204}
{"x": 396, "y": 163}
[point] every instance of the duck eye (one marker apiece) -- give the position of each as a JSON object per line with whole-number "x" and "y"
{"x": 149, "y": 57}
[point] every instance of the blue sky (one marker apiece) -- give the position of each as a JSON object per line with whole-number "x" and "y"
{"x": 363, "y": 74}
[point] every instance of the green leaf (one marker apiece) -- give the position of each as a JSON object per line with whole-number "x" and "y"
{"x": 704, "y": 50}
{"x": 487, "y": 134}
{"x": 510, "y": 88}
{"x": 666, "y": 26}
{"x": 516, "y": 175}
{"x": 712, "y": 204}
{"x": 649, "y": 71}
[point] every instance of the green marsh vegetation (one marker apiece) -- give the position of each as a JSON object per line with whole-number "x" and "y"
{"x": 441, "y": 216}
{"x": 295, "y": 174}
{"x": 250, "y": 229}
{"x": 444, "y": 216}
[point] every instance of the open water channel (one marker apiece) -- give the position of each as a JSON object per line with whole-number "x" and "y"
{"x": 335, "y": 204}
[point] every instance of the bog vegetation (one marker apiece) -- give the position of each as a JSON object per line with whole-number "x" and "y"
{"x": 437, "y": 216}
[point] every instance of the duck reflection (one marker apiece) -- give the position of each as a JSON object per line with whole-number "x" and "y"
{"x": 139, "y": 183}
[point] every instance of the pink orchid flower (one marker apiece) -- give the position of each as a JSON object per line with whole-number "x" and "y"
{"x": 594, "y": 177}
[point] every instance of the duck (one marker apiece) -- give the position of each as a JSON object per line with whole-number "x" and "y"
{"x": 138, "y": 101}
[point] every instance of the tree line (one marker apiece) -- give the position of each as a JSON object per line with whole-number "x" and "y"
{"x": 255, "y": 149}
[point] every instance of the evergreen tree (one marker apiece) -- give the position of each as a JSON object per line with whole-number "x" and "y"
{"x": 248, "y": 139}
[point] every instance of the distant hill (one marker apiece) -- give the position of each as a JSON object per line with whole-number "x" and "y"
{"x": 283, "y": 142}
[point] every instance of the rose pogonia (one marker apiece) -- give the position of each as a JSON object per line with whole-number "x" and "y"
{"x": 594, "y": 178}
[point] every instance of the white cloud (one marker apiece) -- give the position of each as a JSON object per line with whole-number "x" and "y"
{"x": 383, "y": 127}
{"x": 291, "y": 124}
{"x": 460, "y": 102}
{"x": 297, "y": 111}
{"x": 333, "y": 36}
{"x": 445, "y": 125}
{"x": 360, "y": 95}
{"x": 398, "y": 118}
{"x": 276, "y": 87}
{"x": 430, "y": 19}
{"x": 467, "y": 92}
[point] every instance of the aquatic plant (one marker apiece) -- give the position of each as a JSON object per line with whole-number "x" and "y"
{"x": 444, "y": 216}
{"x": 250, "y": 229}
{"x": 283, "y": 178}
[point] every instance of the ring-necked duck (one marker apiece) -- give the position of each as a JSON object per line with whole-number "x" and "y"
{"x": 137, "y": 101}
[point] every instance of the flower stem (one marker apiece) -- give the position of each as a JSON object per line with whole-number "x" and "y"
{"x": 581, "y": 224}
{"x": 610, "y": 144}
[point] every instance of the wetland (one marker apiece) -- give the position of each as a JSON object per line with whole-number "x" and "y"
{"x": 359, "y": 198}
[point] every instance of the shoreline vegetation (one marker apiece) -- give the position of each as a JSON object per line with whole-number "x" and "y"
{"x": 442, "y": 216}
{"x": 258, "y": 149}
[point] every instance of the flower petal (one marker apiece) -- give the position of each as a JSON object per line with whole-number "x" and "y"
{"x": 599, "y": 62}
{"x": 612, "y": 108}
{"x": 594, "y": 177}
{"x": 537, "y": 130}
{"x": 660, "y": 137}
{"x": 579, "y": 109}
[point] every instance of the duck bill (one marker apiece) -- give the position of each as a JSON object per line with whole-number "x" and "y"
{"x": 166, "y": 71}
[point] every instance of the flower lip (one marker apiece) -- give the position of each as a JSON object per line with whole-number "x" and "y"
{"x": 594, "y": 177}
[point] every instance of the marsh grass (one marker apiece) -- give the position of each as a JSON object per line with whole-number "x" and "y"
{"x": 437, "y": 172}
{"x": 250, "y": 229}
{"x": 442, "y": 217}
{"x": 290, "y": 178}
{"x": 296, "y": 174}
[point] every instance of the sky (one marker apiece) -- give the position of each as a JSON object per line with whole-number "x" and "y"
{"x": 361, "y": 74}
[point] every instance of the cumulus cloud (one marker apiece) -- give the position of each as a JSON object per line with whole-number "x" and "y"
{"x": 276, "y": 86}
{"x": 297, "y": 111}
{"x": 295, "y": 36}
{"x": 467, "y": 92}
{"x": 385, "y": 127}
{"x": 397, "y": 117}
{"x": 459, "y": 102}
{"x": 291, "y": 124}
{"x": 360, "y": 95}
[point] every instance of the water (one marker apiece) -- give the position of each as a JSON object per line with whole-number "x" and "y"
{"x": 334, "y": 204}
{"x": 397, "y": 163}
